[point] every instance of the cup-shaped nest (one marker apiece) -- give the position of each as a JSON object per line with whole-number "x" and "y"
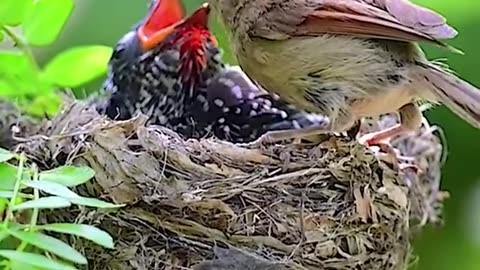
{"x": 207, "y": 204}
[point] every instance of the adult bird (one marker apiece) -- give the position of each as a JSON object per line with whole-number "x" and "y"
{"x": 169, "y": 68}
{"x": 347, "y": 59}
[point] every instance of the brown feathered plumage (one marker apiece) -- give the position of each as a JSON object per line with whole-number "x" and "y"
{"x": 347, "y": 59}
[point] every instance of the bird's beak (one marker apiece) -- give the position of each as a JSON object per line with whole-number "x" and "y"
{"x": 199, "y": 18}
{"x": 160, "y": 22}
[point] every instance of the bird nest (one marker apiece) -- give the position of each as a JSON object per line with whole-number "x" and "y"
{"x": 208, "y": 204}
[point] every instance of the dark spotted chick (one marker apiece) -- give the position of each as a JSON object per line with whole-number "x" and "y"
{"x": 170, "y": 69}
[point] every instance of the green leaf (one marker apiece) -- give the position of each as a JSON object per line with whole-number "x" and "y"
{"x": 48, "y": 104}
{"x": 69, "y": 176}
{"x": 6, "y": 88}
{"x": 44, "y": 203}
{"x": 35, "y": 260}
{"x": 12, "y": 12}
{"x": 6, "y": 194}
{"x": 3, "y": 234}
{"x": 51, "y": 188}
{"x": 17, "y": 265}
{"x": 9, "y": 194}
{"x": 3, "y": 206}
{"x": 50, "y": 244}
{"x": 19, "y": 75}
{"x": 92, "y": 202}
{"x": 86, "y": 231}
{"x": 2, "y": 35}
{"x": 6, "y": 155}
{"x": 46, "y": 20}
{"x": 8, "y": 176}
{"x": 78, "y": 65}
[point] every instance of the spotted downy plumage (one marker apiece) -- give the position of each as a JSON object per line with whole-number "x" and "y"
{"x": 181, "y": 83}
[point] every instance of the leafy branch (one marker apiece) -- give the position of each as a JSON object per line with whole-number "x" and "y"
{"x": 44, "y": 251}
{"x": 25, "y": 190}
{"x": 29, "y": 24}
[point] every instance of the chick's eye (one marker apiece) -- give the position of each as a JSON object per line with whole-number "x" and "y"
{"x": 118, "y": 51}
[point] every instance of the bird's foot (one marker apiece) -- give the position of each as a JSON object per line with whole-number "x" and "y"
{"x": 386, "y": 152}
{"x": 389, "y": 154}
{"x": 379, "y": 137}
{"x": 373, "y": 141}
{"x": 379, "y": 142}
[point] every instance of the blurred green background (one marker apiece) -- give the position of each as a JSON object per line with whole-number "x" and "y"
{"x": 453, "y": 246}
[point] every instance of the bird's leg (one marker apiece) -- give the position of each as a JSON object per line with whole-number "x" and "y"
{"x": 410, "y": 120}
{"x": 381, "y": 137}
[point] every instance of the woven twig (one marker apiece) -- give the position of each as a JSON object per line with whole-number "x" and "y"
{"x": 207, "y": 204}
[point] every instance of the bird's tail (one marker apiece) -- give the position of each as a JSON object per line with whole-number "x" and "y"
{"x": 458, "y": 95}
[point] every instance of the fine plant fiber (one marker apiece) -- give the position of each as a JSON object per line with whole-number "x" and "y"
{"x": 208, "y": 204}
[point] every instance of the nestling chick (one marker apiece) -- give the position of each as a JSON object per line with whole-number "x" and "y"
{"x": 169, "y": 68}
{"x": 347, "y": 59}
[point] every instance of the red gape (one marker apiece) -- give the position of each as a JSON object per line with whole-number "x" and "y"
{"x": 191, "y": 34}
{"x": 162, "y": 17}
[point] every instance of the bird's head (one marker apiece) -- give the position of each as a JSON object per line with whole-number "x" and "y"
{"x": 166, "y": 23}
{"x": 165, "y": 30}
{"x": 190, "y": 36}
{"x": 147, "y": 34}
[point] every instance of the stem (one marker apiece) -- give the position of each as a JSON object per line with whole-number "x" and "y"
{"x": 22, "y": 45}
{"x": 36, "y": 194}
{"x": 15, "y": 189}
{"x": 33, "y": 219}
{"x": 22, "y": 246}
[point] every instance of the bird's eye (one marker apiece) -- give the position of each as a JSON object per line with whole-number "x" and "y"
{"x": 118, "y": 50}
{"x": 126, "y": 52}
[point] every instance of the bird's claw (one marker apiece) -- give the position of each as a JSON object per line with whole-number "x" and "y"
{"x": 391, "y": 156}
{"x": 387, "y": 153}
{"x": 370, "y": 139}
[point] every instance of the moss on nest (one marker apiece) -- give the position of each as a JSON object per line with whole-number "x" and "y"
{"x": 207, "y": 204}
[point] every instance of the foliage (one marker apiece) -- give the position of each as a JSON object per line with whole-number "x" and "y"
{"x": 24, "y": 190}
{"x": 27, "y": 246}
{"x": 21, "y": 78}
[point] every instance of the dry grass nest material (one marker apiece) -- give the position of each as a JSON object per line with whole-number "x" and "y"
{"x": 207, "y": 204}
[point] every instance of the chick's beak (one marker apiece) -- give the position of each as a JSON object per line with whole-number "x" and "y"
{"x": 200, "y": 17}
{"x": 160, "y": 22}
{"x": 199, "y": 20}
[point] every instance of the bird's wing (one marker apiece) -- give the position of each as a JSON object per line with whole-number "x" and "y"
{"x": 232, "y": 87}
{"x": 249, "y": 111}
{"x": 384, "y": 19}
